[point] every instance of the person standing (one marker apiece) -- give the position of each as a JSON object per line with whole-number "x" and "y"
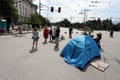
{"x": 50, "y": 33}
{"x": 111, "y": 33}
{"x": 20, "y": 29}
{"x": 57, "y": 34}
{"x": 70, "y": 32}
{"x": 45, "y": 34}
{"x": 97, "y": 39}
{"x": 35, "y": 38}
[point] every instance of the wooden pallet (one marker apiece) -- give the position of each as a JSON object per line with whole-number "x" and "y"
{"x": 99, "y": 65}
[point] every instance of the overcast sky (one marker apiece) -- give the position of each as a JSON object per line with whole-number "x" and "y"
{"x": 73, "y": 9}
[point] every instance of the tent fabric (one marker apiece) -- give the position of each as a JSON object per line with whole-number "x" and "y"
{"x": 80, "y": 50}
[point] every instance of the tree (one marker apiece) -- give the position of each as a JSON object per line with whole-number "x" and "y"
{"x": 107, "y": 24}
{"x": 64, "y": 23}
{"x": 78, "y": 25}
{"x": 34, "y": 20}
{"x": 92, "y": 24}
{"x": 99, "y": 24}
{"x": 8, "y": 11}
{"x": 44, "y": 21}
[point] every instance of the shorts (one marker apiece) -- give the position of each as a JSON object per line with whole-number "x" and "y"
{"x": 35, "y": 39}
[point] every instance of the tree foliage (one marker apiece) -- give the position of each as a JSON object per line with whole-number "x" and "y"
{"x": 93, "y": 24}
{"x": 64, "y": 23}
{"x": 44, "y": 21}
{"x": 34, "y": 19}
{"x": 8, "y": 11}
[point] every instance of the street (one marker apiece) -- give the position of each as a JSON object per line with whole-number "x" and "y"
{"x": 18, "y": 62}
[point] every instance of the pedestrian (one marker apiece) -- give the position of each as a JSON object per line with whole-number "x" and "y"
{"x": 97, "y": 39}
{"x": 53, "y": 37}
{"x": 45, "y": 34}
{"x": 85, "y": 32}
{"x": 57, "y": 34}
{"x": 20, "y": 29}
{"x": 35, "y": 38}
{"x": 50, "y": 33}
{"x": 2, "y": 30}
{"x": 111, "y": 33}
{"x": 70, "y": 32}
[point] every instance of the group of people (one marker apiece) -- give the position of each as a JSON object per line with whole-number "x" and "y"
{"x": 21, "y": 29}
{"x": 54, "y": 35}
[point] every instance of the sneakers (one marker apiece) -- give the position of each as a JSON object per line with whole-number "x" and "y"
{"x": 34, "y": 48}
{"x": 56, "y": 46}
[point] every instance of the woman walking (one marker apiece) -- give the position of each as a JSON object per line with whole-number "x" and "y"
{"x": 35, "y": 38}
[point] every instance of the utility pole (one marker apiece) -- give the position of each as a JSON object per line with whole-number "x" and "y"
{"x": 84, "y": 16}
{"x": 71, "y": 20}
{"x": 84, "y": 19}
{"x": 39, "y": 7}
{"x": 85, "y": 12}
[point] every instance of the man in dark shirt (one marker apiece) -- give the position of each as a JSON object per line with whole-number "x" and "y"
{"x": 111, "y": 33}
{"x": 70, "y": 32}
{"x": 57, "y": 34}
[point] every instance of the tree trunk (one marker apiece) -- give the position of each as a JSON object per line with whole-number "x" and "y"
{"x": 8, "y": 25}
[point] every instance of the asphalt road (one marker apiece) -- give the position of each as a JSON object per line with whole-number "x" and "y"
{"x": 18, "y": 62}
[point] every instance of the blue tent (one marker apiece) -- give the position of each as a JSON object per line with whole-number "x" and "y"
{"x": 80, "y": 50}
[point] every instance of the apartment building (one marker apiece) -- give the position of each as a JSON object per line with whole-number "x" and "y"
{"x": 25, "y": 9}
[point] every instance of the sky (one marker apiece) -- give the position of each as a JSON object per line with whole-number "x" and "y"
{"x": 74, "y": 10}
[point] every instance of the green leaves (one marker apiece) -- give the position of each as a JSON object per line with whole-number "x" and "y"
{"x": 7, "y": 9}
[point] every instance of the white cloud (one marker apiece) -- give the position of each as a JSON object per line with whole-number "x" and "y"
{"x": 101, "y": 8}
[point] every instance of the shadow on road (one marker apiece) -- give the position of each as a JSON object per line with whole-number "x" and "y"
{"x": 102, "y": 50}
{"x": 56, "y": 49}
{"x": 117, "y": 60}
{"x": 88, "y": 64}
{"x": 44, "y": 43}
{"x": 32, "y": 51}
{"x": 84, "y": 69}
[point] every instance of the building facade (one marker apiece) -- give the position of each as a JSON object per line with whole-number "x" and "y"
{"x": 25, "y": 9}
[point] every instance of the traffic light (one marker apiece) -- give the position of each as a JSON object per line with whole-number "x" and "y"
{"x": 52, "y": 9}
{"x": 59, "y": 9}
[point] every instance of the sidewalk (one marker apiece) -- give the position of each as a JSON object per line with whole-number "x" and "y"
{"x": 17, "y": 62}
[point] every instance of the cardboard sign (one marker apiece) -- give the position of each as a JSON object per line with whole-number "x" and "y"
{"x": 99, "y": 65}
